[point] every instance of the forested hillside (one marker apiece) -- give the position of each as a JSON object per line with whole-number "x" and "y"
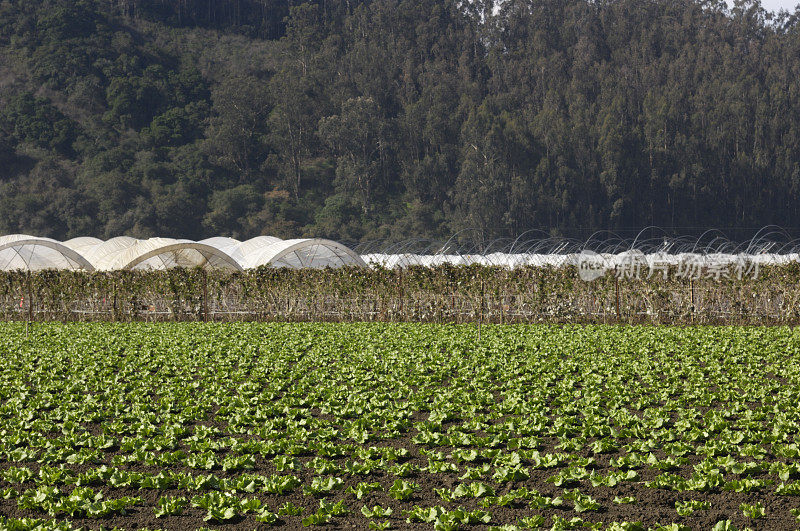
{"x": 358, "y": 119}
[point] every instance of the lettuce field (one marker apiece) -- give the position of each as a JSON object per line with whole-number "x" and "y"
{"x": 398, "y": 426}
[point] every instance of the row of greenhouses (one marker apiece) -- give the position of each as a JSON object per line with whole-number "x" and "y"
{"x": 31, "y": 253}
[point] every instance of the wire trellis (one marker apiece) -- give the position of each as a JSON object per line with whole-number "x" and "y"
{"x": 612, "y": 301}
{"x": 771, "y": 244}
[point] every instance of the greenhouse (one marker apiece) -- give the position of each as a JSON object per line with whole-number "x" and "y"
{"x": 296, "y": 253}
{"x": 30, "y": 253}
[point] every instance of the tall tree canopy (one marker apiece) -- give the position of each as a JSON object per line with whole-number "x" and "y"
{"x": 390, "y": 119}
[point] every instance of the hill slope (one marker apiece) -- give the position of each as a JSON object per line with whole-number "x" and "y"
{"x": 394, "y": 118}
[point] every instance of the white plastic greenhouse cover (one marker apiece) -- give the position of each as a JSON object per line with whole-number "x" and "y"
{"x": 104, "y": 252}
{"x": 224, "y": 244}
{"x": 302, "y": 253}
{"x": 31, "y": 253}
{"x": 159, "y": 253}
{"x": 83, "y": 244}
{"x": 512, "y": 260}
{"x": 254, "y": 245}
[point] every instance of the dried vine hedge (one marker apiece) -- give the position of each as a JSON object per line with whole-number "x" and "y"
{"x": 441, "y": 294}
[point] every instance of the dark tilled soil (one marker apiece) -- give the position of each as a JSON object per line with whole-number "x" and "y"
{"x": 652, "y": 506}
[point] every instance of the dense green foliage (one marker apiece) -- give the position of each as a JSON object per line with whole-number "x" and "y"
{"x": 384, "y": 425}
{"x": 441, "y": 294}
{"x": 390, "y": 119}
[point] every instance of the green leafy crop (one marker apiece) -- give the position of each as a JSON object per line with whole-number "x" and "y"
{"x": 392, "y": 425}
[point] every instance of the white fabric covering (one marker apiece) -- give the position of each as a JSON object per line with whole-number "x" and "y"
{"x": 30, "y": 253}
{"x": 25, "y": 252}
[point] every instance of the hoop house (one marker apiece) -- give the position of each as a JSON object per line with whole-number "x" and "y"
{"x": 29, "y": 253}
{"x": 123, "y": 252}
{"x": 166, "y": 253}
{"x": 299, "y": 253}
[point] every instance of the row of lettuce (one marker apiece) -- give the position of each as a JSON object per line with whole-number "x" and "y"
{"x": 385, "y": 425}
